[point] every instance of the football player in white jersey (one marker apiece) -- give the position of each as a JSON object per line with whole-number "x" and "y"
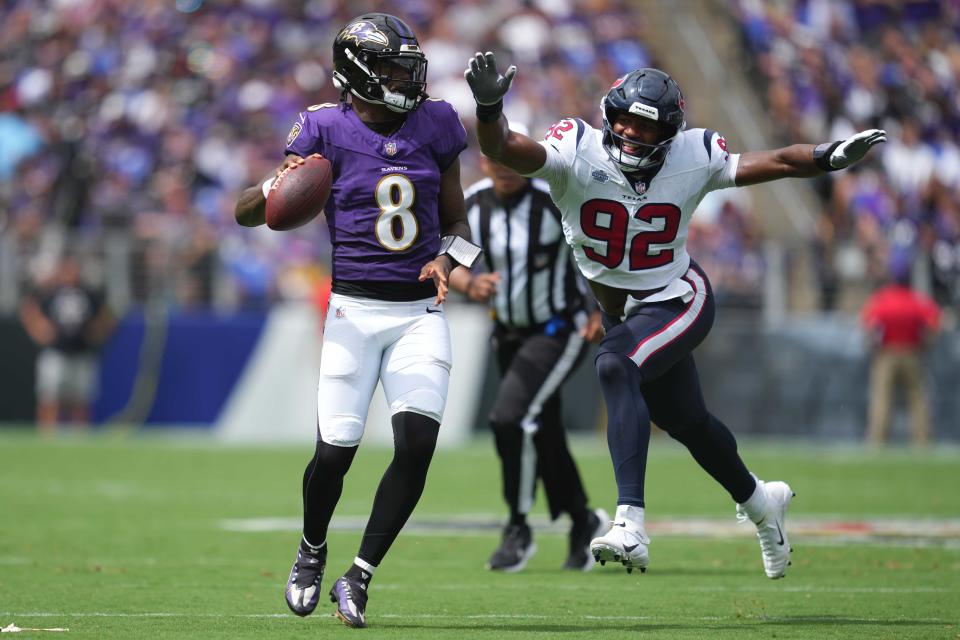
{"x": 626, "y": 193}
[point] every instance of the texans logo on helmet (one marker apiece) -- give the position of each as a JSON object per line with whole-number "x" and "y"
{"x": 364, "y": 31}
{"x": 618, "y": 82}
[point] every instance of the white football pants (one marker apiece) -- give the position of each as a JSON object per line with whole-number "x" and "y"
{"x": 402, "y": 344}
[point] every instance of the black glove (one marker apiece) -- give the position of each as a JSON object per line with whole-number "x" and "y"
{"x": 485, "y": 81}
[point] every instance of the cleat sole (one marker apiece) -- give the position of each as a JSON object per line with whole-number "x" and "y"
{"x": 347, "y": 622}
{"x": 604, "y": 554}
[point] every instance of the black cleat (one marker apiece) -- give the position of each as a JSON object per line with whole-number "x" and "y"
{"x": 350, "y": 597}
{"x": 578, "y": 556}
{"x": 303, "y": 585}
{"x": 516, "y": 548}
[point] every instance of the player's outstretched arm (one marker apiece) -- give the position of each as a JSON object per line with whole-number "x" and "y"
{"x": 514, "y": 150}
{"x": 251, "y": 209}
{"x": 806, "y": 160}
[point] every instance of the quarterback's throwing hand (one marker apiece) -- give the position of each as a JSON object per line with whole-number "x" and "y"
{"x": 485, "y": 81}
{"x": 855, "y": 147}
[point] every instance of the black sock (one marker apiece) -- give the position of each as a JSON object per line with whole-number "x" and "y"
{"x": 359, "y": 574}
{"x": 414, "y": 438}
{"x": 322, "y": 486}
{"x": 518, "y": 519}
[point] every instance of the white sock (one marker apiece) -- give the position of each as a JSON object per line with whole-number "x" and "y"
{"x": 630, "y": 513}
{"x": 363, "y": 564}
{"x": 314, "y": 548}
{"x": 756, "y": 505}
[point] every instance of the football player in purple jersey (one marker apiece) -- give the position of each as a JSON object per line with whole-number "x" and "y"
{"x": 397, "y": 226}
{"x": 626, "y": 193}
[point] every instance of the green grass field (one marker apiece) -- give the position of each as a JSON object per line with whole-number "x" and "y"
{"x": 116, "y": 536}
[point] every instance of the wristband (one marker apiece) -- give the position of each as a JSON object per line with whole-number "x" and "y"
{"x": 266, "y": 186}
{"x": 461, "y": 251}
{"x": 822, "y": 153}
{"x": 489, "y": 112}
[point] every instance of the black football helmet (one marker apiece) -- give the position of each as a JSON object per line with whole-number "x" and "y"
{"x": 649, "y": 93}
{"x": 377, "y": 58}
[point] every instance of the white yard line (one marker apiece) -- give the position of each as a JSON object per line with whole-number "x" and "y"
{"x": 823, "y": 530}
{"x": 480, "y": 616}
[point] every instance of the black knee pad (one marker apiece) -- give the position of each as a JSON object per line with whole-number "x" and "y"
{"x": 414, "y": 435}
{"x": 333, "y": 458}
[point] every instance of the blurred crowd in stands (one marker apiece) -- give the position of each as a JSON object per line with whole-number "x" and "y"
{"x": 829, "y": 68}
{"x": 128, "y": 128}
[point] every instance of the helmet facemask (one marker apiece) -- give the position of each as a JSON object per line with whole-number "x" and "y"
{"x": 651, "y": 95}
{"x": 644, "y": 156}
{"x": 402, "y": 79}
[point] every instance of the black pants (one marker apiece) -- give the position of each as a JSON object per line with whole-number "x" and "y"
{"x": 526, "y": 419}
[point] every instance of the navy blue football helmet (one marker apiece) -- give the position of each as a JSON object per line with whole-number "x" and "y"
{"x": 377, "y": 58}
{"x": 649, "y": 93}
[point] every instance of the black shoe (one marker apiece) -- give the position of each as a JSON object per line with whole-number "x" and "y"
{"x": 515, "y": 549}
{"x": 579, "y": 558}
{"x": 303, "y": 586}
{"x": 351, "y": 598}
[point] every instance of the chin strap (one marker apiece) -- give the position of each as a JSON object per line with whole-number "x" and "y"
{"x": 461, "y": 251}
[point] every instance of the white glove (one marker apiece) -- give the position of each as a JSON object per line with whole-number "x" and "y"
{"x": 855, "y": 147}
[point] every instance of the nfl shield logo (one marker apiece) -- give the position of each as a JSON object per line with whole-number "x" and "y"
{"x": 340, "y": 312}
{"x": 390, "y": 148}
{"x": 640, "y": 187}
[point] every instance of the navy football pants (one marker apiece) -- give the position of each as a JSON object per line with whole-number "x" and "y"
{"x": 646, "y": 371}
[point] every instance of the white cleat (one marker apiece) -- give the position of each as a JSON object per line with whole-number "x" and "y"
{"x": 771, "y": 530}
{"x": 626, "y": 543}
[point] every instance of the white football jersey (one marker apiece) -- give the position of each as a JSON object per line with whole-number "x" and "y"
{"x": 632, "y": 237}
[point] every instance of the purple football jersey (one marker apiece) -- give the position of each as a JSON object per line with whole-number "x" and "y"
{"x": 382, "y": 213}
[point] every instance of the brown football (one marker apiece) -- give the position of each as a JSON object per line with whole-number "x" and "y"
{"x": 299, "y": 194}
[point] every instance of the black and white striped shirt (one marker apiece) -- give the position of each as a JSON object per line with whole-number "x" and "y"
{"x": 523, "y": 241}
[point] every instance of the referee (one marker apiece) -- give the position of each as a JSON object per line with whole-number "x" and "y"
{"x": 540, "y": 334}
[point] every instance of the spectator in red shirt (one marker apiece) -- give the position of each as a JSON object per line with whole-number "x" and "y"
{"x": 901, "y": 323}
